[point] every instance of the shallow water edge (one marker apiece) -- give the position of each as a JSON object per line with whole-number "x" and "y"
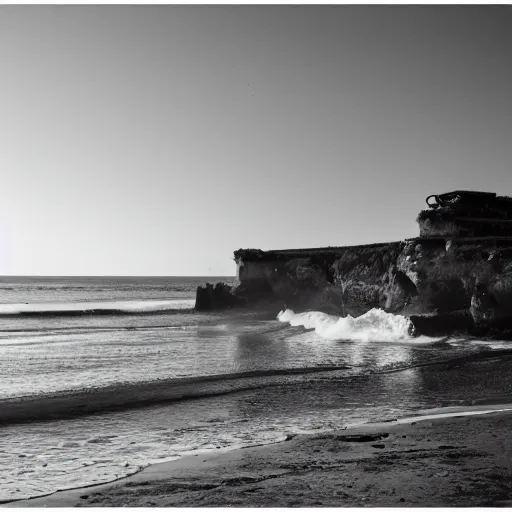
{"x": 366, "y": 432}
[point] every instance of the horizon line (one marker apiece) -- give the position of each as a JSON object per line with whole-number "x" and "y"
{"x": 110, "y": 275}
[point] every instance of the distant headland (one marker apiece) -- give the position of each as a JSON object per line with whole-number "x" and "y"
{"x": 455, "y": 277}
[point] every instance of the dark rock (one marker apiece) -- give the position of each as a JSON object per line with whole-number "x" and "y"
{"x": 204, "y": 297}
{"x": 440, "y": 324}
{"x": 396, "y": 290}
{"x": 361, "y": 438}
{"x": 211, "y": 297}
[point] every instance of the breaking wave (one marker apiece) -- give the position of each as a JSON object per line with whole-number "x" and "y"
{"x": 375, "y": 325}
{"x": 95, "y": 308}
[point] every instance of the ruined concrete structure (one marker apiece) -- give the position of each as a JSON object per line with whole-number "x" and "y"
{"x": 466, "y": 214}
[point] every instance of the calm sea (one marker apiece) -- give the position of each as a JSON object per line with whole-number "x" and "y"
{"x": 240, "y": 378}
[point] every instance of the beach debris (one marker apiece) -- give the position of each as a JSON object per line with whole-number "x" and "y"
{"x": 361, "y": 438}
{"x": 378, "y": 445}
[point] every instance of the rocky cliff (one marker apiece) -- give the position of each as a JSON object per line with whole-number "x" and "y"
{"x": 443, "y": 281}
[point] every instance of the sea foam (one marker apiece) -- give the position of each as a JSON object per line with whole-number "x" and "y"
{"x": 375, "y": 325}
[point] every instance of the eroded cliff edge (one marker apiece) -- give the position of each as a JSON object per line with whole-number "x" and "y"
{"x": 455, "y": 277}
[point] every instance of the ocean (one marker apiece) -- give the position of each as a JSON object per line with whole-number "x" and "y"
{"x": 192, "y": 382}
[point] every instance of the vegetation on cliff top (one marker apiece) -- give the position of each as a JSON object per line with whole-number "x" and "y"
{"x": 248, "y": 254}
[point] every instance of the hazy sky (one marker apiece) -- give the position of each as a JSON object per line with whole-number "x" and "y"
{"x": 155, "y": 140}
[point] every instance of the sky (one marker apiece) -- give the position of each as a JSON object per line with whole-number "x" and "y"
{"x": 156, "y": 140}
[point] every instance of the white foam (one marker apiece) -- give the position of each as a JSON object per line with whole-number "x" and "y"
{"x": 451, "y": 414}
{"x": 375, "y": 325}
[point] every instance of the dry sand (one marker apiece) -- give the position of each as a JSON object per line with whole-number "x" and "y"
{"x": 458, "y": 461}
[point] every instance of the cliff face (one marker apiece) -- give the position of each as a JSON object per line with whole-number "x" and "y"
{"x": 338, "y": 280}
{"x": 448, "y": 273}
{"x": 439, "y": 278}
{"x": 416, "y": 277}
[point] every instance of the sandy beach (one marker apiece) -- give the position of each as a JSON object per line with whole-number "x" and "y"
{"x": 439, "y": 462}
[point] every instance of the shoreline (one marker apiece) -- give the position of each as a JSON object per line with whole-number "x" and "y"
{"x": 191, "y": 475}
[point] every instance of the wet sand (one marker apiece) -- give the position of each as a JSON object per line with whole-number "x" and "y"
{"x": 441, "y": 462}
